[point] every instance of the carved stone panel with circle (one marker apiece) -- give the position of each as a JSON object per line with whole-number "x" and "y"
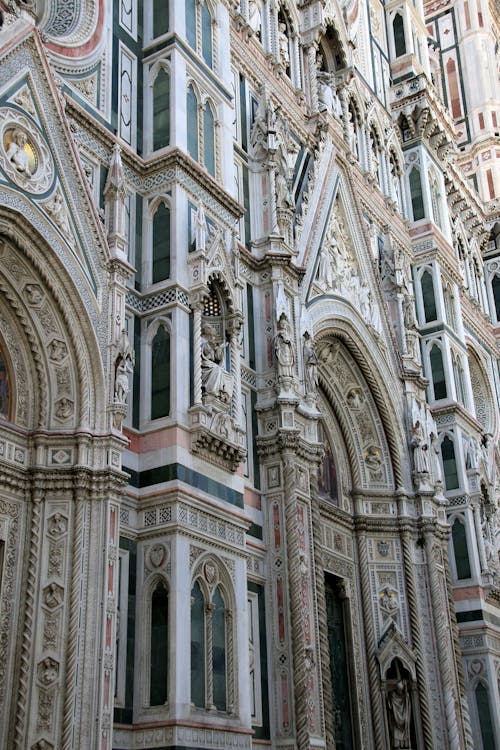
{"x": 24, "y": 155}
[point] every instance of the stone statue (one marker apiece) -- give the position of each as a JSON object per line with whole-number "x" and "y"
{"x": 470, "y": 453}
{"x": 284, "y": 54}
{"x": 17, "y": 154}
{"x": 408, "y": 312}
{"x": 213, "y": 371}
{"x": 200, "y": 228}
{"x": 420, "y": 449}
{"x": 124, "y": 365}
{"x": 399, "y": 709}
{"x": 284, "y": 353}
{"x": 283, "y": 196}
{"x": 327, "y": 95}
{"x": 325, "y": 271}
{"x": 254, "y": 16}
{"x": 310, "y": 367}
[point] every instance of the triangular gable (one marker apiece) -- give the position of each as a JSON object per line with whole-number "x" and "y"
{"x": 40, "y": 170}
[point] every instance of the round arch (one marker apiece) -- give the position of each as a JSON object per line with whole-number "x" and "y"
{"x": 57, "y": 352}
{"x": 334, "y": 325}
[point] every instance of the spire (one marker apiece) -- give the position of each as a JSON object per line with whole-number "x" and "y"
{"x": 114, "y": 205}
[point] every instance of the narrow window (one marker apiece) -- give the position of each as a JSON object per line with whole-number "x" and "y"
{"x": 4, "y": 388}
{"x": 160, "y": 374}
{"x": 449, "y": 464}
{"x": 491, "y": 187}
{"x": 451, "y": 73}
{"x": 467, "y": 14}
{"x": 209, "y": 139}
{"x": 206, "y": 35}
{"x": 484, "y": 716}
{"x": 219, "y": 652}
{"x": 192, "y": 123}
{"x": 161, "y": 110}
{"x": 161, "y": 244}
{"x": 327, "y": 480}
{"x": 339, "y": 665}
{"x": 2, "y": 554}
{"x": 160, "y": 17}
{"x": 460, "y": 550}
{"x": 159, "y": 646}
{"x": 480, "y": 117}
{"x": 428, "y": 297}
{"x": 191, "y": 22}
{"x": 197, "y": 647}
{"x": 495, "y": 286}
{"x": 399, "y": 35}
{"x": 438, "y": 375}
{"x": 417, "y": 198}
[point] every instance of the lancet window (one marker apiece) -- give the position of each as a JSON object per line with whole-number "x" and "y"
{"x": 428, "y": 296}
{"x": 160, "y": 243}
{"x": 160, "y": 373}
{"x": 158, "y": 691}
{"x": 438, "y": 373}
{"x": 460, "y": 549}
{"x": 161, "y": 109}
{"x": 484, "y": 716}
{"x": 399, "y": 35}
{"x": 211, "y": 643}
{"x": 200, "y": 29}
{"x": 449, "y": 463}
{"x": 160, "y": 17}
{"x": 417, "y": 197}
{"x": 201, "y": 131}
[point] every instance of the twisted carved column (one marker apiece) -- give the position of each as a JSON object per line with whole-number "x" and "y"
{"x": 415, "y": 631}
{"x": 313, "y": 81}
{"x": 236, "y": 372}
{"x": 209, "y": 698}
{"x": 302, "y": 670}
{"x": 28, "y": 630}
{"x": 324, "y": 651}
{"x": 77, "y": 546}
{"x": 197, "y": 393}
{"x": 443, "y": 646}
{"x": 373, "y": 675}
{"x": 469, "y": 741}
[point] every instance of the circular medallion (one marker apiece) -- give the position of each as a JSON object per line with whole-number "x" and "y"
{"x": 24, "y": 155}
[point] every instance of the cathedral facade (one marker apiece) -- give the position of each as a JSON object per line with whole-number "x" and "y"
{"x": 249, "y": 375}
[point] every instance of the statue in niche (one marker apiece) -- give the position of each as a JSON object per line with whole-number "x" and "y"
{"x": 399, "y": 710}
{"x": 264, "y": 121}
{"x": 284, "y": 353}
{"x": 284, "y": 54}
{"x": 409, "y": 312}
{"x": 328, "y": 98}
{"x": 325, "y": 270}
{"x": 255, "y": 16}
{"x": 200, "y": 228}
{"x": 420, "y": 447}
{"x": 57, "y": 210}
{"x": 17, "y": 154}
{"x": 471, "y": 453}
{"x": 435, "y": 453}
{"x": 310, "y": 367}
{"x": 283, "y": 195}
{"x": 214, "y": 377}
{"x": 124, "y": 365}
